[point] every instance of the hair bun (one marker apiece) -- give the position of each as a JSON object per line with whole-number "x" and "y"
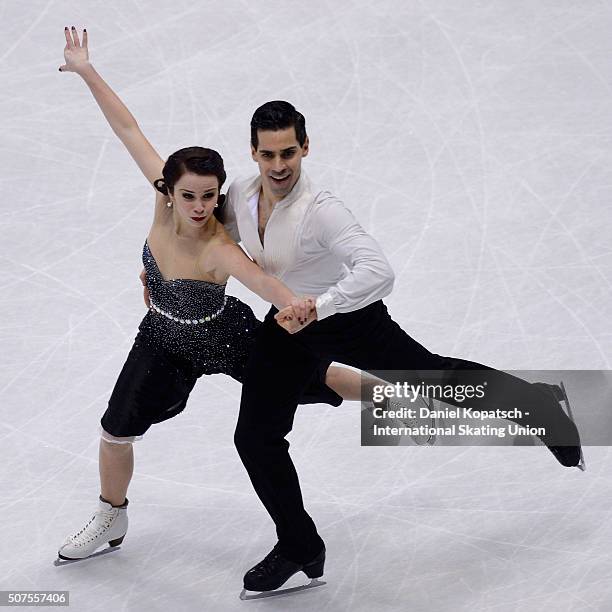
{"x": 160, "y": 185}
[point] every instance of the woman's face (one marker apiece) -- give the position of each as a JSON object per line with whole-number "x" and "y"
{"x": 194, "y": 197}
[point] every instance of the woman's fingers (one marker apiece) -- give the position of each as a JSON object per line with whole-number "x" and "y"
{"x": 298, "y": 308}
{"x": 303, "y": 308}
{"x": 286, "y": 312}
{"x": 75, "y": 36}
{"x": 288, "y": 323}
{"x": 75, "y": 52}
{"x": 298, "y": 315}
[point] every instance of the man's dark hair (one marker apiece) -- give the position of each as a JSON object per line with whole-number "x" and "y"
{"x": 278, "y": 115}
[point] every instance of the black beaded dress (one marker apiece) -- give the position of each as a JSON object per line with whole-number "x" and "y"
{"x": 192, "y": 328}
{"x": 195, "y": 320}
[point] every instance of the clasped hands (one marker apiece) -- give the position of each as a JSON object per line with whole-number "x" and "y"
{"x": 296, "y": 316}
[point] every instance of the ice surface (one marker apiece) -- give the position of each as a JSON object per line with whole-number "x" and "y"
{"x": 472, "y": 139}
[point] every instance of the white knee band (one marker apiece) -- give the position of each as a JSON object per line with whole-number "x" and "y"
{"x": 117, "y": 440}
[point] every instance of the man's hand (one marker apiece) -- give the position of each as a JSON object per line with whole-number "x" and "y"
{"x": 300, "y": 313}
{"x": 76, "y": 54}
{"x": 143, "y": 280}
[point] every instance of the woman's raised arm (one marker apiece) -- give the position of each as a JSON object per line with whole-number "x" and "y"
{"x": 118, "y": 116}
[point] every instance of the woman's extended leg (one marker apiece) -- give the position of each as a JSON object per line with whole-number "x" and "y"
{"x": 116, "y": 464}
{"x": 109, "y": 522}
{"x": 351, "y": 385}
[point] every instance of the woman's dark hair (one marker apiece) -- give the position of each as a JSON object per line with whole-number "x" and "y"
{"x": 278, "y": 115}
{"x": 199, "y": 160}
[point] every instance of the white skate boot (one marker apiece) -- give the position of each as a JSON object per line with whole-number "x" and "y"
{"x": 107, "y": 525}
{"x": 399, "y": 405}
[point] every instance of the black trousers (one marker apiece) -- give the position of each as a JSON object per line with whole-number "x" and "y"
{"x": 367, "y": 339}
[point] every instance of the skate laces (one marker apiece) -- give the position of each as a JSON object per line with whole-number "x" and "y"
{"x": 395, "y": 404}
{"x": 266, "y": 566}
{"x": 100, "y": 522}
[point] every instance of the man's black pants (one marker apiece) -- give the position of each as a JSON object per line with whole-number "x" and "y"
{"x": 280, "y": 368}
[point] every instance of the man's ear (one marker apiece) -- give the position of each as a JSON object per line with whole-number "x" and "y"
{"x": 253, "y": 153}
{"x": 305, "y": 147}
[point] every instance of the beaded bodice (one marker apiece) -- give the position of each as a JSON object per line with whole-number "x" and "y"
{"x": 184, "y": 301}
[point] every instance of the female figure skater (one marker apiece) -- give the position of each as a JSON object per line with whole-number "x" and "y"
{"x": 192, "y": 327}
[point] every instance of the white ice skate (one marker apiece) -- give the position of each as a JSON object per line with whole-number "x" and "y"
{"x": 428, "y": 423}
{"x": 107, "y": 525}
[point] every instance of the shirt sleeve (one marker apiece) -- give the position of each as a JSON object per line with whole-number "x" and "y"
{"x": 370, "y": 276}
{"x": 227, "y": 213}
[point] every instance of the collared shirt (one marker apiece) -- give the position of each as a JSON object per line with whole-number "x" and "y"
{"x": 313, "y": 244}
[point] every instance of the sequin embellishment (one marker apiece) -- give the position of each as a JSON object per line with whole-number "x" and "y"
{"x": 205, "y": 319}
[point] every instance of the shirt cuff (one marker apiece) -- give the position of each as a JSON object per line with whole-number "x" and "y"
{"x": 325, "y": 306}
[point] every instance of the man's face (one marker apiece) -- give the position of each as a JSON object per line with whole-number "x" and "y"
{"x": 279, "y": 157}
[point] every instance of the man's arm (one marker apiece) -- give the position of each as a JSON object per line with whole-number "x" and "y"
{"x": 145, "y": 289}
{"x": 370, "y": 276}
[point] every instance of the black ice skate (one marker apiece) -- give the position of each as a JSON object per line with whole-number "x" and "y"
{"x": 569, "y": 456}
{"x": 271, "y": 573}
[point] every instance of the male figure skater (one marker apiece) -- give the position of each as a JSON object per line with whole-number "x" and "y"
{"x": 312, "y": 242}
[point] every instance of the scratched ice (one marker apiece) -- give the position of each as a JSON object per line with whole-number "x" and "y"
{"x": 473, "y": 140}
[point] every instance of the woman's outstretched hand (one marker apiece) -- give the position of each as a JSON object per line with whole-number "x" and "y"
{"x": 76, "y": 54}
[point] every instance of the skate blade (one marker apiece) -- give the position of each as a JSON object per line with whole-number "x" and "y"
{"x": 59, "y": 562}
{"x": 581, "y": 464}
{"x": 315, "y": 582}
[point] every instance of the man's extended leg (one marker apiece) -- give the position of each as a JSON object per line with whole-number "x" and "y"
{"x": 385, "y": 349}
{"x": 370, "y": 340}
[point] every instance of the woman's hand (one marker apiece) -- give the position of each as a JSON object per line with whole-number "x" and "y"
{"x": 298, "y": 315}
{"x": 303, "y": 307}
{"x": 76, "y": 54}
{"x": 116, "y": 113}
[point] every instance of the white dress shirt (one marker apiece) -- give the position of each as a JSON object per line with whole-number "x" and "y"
{"x": 313, "y": 244}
